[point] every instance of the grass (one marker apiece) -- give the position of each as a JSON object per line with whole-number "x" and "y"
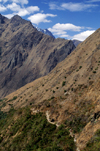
{"x": 94, "y": 143}
{"x": 32, "y": 132}
{"x": 77, "y": 121}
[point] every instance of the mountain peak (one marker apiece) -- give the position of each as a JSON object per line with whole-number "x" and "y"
{"x": 17, "y": 18}
{"x": 45, "y": 31}
{"x": 2, "y": 19}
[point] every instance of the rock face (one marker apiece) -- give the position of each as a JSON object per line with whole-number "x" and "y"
{"x": 27, "y": 54}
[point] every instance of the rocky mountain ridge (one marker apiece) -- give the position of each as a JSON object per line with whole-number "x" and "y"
{"x": 27, "y": 54}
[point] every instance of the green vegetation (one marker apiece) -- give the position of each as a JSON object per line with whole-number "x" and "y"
{"x": 94, "y": 143}
{"x": 77, "y": 70}
{"x": 76, "y": 124}
{"x": 1, "y": 100}
{"x": 29, "y": 132}
{"x": 72, "y": 89}
{"x": 64, "y": 82}
{"x": 2, "y": 115}
{"x": 57, "y": 87}
{"x": 80, "y": 67}
{"x": 14, "y": 98}
{"x": 53, "y": 91}
{"x": 80, "y": 119}
{"x": 94, "y": 71}
{"x": 65, "y": 91}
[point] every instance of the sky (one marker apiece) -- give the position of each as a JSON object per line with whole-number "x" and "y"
{"x": 69, "y": 19}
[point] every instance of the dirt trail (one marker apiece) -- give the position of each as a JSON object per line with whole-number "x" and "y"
{"x": 48, "y": 119}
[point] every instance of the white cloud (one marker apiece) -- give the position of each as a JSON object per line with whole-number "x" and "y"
{"x": 83, "y": 35}
{"x": 61, "y": 29}
{"x": 16, "y": 1}
{"x": 76, "y": 6}
{"x": 64, "y": 36}
{"x": 9, "y": 16}
{"x": 40, "y": 17}
{"x": 3, "y": 1}
{"x": 32, "y": 9}
{"x": 28, "y": 10}
{"x": 20, "y": 1}
{"x": 17, "y": 9}
{"x": 2, "y": 8}
{"x": 54, "y": 6}
{"x": 71, "y": 6}
{"x": 67, "y": 26}
{"x": 23, "y": 12}
{"x": 14, "y": 7}
{"x": 91, "y": 1}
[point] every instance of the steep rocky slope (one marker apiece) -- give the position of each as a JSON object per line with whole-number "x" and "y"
{"x": 27, "y": 54}
{"x": 69, "y": 94}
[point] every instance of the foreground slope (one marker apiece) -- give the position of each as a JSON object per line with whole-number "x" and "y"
{"x": 25, "y": 132}
{"x": 27, "y": 54}
{"x": 69, "y": 94}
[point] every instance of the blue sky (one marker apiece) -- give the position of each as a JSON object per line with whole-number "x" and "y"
{"x": 73, "y": 19}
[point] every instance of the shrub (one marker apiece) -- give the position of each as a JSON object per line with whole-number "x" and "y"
{"x": 53, "y": 91}
{"x": 80, "y": 67}
{"x": 34, "y": 133}
{"x": 65, "y": 91}
{"x": 52, "y": 97}
{"x": 14, "y": 98}
{"x": 72, "y": 89}
{"x": 94, "y": 71}
{"x": 64, "y": 82}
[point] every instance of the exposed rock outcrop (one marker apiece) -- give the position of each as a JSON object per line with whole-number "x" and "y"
{"x": 27, "y": 54}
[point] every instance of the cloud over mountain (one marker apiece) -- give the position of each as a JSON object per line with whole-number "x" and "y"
{"x": 40, "y": 17}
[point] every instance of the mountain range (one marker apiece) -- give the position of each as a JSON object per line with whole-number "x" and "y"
{"x": 47, "y": 32}
{"x": 26, "y": 53}
{"x": 60, "y": 109}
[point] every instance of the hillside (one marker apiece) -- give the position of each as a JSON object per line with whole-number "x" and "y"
{"x": 68, "y": 95}
{"x": 27, "y": 54}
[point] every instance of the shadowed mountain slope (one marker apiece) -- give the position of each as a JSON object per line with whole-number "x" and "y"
{"x": 27, "y": 54}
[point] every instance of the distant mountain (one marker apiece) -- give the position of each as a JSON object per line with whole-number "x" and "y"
{"x": 27, "y": 54}
{"x": 45, "y": 31}
{"x": 76, "y": 42}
